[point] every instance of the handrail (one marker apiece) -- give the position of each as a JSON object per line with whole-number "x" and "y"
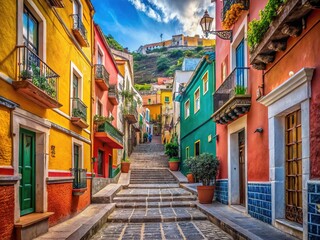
{"x": 78, "y": 24}
{"x": 79, "y": 109}
{"x": 101, "y": 72}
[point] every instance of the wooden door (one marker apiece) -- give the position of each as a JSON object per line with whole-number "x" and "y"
{"x": 100, "y": 162}
{"x": 27, "y": 171}
{"x": 294, "y": 167}
{"x": 242, "y": 169}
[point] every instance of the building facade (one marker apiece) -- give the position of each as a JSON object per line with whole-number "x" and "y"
{"x": 166, "y": 114}
{"x": 264, "y": 103}
{"x": 45, "y": 82}
{"x": 107, "y": 137}
{"x": 198, "y": 133}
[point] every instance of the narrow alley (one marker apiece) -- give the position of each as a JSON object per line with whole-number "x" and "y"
{"x": 154, "y": 206}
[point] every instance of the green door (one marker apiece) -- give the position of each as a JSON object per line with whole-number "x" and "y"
{"x": 27, "y": 171}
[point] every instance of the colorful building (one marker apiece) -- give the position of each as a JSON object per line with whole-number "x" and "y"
{"x": 267, "y": 120}
{"x": 166, "y": 114}
{"x": 45, "y": 82}
{"x": 107, "y": 137}
{"x": 198, "y": 133}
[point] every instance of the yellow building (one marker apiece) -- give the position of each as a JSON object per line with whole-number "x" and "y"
{"x": 45, "y": 109}
{"x": 167, "y": 114}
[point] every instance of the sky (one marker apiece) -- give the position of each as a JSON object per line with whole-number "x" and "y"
{"x": 137, "y": 22}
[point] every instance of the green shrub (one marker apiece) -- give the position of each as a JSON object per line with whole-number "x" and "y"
{"x": 162, "y": 64}
{"x": 176, "y": 54}
{"x": 172, "y": 149}
{"x": 203, "y": 167}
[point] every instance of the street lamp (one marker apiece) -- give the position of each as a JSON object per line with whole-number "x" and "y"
{"x": 206, "y": 23}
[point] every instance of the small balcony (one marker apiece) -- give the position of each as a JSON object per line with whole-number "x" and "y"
{"x": 228, "y": 3}
{"x": 113, "y": 95}
{"x": 36, "y": 80}
{"x": 79, "y": 181}
{"x": 79, "y": 31}
{"x": 130, "y": 113}
{"x": 232, "y": 100}
{"x": 56, "y": 3}
{"x": 79, "y": 113}
{"x": 101, "y": 76}
{"x": 289, "y": 22}
{"x": 109, "y": 134}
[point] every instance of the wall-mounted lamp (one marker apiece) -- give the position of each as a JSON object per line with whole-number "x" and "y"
{"x": 206, "y": 22}
{"x": 259, "y": 130}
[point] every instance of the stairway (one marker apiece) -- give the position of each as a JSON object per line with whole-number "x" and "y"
{"x": 151, "y": 176}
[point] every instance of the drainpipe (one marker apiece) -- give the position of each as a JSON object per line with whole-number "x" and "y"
{"x": 91, "y": 100}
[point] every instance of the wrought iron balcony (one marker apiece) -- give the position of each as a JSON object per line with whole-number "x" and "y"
{"x": 79, "y": 181}
{"x": 101, "y": 76}
{"x": 113, "y": 94}
{"x": 228, "y": 3}
{"x": 231, "y": 100}
{"x": 36, "y": 80}
{"x": 111, "y": 130}
{"x": 79, "y": 113}
{"x": 79, "y": 30}
{"x": 130, "y": 113}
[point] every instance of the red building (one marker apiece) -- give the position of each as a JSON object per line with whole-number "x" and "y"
{"x": 107, "y": 137}
{"x": 266, "y": 110}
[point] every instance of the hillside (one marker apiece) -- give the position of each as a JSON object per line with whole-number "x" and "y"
{"x": 162, "y": 62}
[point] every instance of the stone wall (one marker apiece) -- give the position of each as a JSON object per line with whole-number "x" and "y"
{"x": 314, "y": 210}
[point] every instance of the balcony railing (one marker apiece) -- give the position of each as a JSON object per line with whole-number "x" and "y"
{"x": 101, "y": 73}
{"x": 80, "y": 178}
{"x": 79, "y": 30}
{"x": 32, "y": 68}
{"x": 130, "y": 113}
{"x": 235, "y": 84}
{"x": 113, "y": 93}
{"x": 228, "y": 3}
{"x": 111, "y": 130}
{"x": 79, "y": 109}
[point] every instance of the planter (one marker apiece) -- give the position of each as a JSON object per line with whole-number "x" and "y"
{"x": 205, "y": 194}
{"x": 190, "y": 178}
{"x": 174, "y": 166}
{"x": 125, "y": 166}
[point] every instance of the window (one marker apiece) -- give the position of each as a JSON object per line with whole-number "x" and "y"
{"x": 149, "y": 101}
{"x": 166, "y": 99}
{"x": 205, "y": 83}
{"x": 76, "y": 156}
{"x": 99, "y": 108}
{"x": 187, "y": 152}
{"x": 197, "y": 148}
{"x": 197, "y": 100}
{"x": 100, "y": 162}
{"x": 187, "y": 109}
{"x": 76, "y": 88}
{"x": 30, "y": 30}
{"x": 100, "y": 58}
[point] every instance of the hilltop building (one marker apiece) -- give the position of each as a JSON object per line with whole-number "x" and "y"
{"x": 178, "y": 41}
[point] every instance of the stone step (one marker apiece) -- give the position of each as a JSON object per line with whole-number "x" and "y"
{"x": 148, "y": 176}
{"x": 138, "y": 215}
{"x": 155, "y": 199}
{"x": 155, "y": 204}
{"x": 136, "y": 192}
{"x": 153, "y": 186}
{"x": 152, "y": 182}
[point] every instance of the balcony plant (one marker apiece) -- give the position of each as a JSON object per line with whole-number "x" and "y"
{"x": 204, "y": 168}
{"x": 240, "y": 90}
{"x": 232, "y": 15}
{"x": 172, "y": 150}
{"x": 99, "y": 120}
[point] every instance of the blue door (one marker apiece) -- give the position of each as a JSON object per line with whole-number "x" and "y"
{"x": 241, "y": 85}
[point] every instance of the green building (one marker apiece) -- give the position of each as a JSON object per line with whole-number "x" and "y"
{"x": 198, "y": 131}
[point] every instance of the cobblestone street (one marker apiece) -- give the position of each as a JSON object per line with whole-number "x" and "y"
{"x": 154, "y": 207}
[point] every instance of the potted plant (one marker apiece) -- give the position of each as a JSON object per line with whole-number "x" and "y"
{"x": 125, "y": 165}
{"x": 204, "y": 168}
{"x": 172, "y": 150}
{"x": 99, "y": 120}
{"x": 190, "y": 178}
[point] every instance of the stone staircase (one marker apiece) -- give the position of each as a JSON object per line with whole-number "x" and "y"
{"x": 151, "y": 176}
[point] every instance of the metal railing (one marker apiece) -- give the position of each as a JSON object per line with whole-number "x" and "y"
{"x": 78, "y": 25}
{"x": 79, "y": 109}
{"x": 100, "y": 72}
{"x": 31, "y": 67}
{"x": 113, "y": 91}
{"x": 235, "y": 84}
{"x": 130, "y": 109}
{"x": 228, "y": 3}
{"x": 111, "y": 130}
{"x": 80, "y": 178}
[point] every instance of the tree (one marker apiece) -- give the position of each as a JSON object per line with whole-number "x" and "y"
{"x": 113, "y": 43}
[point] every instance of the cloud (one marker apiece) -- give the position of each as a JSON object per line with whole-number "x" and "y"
{"x": 187, "y": 12}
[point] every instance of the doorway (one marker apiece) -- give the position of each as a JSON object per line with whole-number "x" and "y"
{"x": 242, "y": 168}
{"x": 27, "y": 170}
{"x": 110, "y": 166}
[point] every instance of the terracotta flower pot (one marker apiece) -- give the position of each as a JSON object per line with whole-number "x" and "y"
{"x": 174, "y": 166}
{"x": 125, "y": 166}
{"x": 205, "y": 194}
{"x": 190, "y": 178}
